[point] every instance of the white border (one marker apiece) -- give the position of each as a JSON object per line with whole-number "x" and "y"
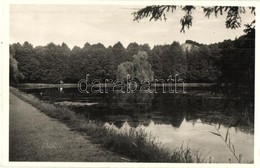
{"x": 4, "y": 79}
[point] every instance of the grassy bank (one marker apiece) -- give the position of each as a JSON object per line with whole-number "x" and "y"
{"x": 135, "y": 145}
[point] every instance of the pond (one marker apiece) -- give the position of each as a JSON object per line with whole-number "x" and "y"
{"x": 173, "y": 119}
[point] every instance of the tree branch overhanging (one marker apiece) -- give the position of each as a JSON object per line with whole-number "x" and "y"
{"x": 158, "y": 12}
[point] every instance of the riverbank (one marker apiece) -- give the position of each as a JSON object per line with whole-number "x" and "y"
{"x": 133, "y": 144}
{"x": 34, "y": 136}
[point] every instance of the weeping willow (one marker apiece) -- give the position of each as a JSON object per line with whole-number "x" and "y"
{"x": 139, "y": 68}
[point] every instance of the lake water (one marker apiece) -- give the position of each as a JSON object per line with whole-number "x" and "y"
{"x": 173, "y": 119}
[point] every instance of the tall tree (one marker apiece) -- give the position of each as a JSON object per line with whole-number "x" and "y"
{"x": 120, "y": 53}
{"x": 173, "y": 61}
{"x": 139, "y": 69}
{"x": 28, "y": 64}
{"x": 15, "y": 75}
{"x": 132, "y": 49}
{"x": 202, "y": 63}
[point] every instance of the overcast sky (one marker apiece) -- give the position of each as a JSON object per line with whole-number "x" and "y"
{"x": 107, "y": 24}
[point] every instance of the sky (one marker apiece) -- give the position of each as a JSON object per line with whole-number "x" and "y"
{"x": 108, "y": 24}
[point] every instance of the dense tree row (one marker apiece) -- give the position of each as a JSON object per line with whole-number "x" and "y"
{"x": 229, "y": 62}
{"x": 52, "y": 63}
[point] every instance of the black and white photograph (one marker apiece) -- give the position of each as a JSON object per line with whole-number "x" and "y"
{"x": 132, "y": 83}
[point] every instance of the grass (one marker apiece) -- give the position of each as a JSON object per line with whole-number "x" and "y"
{"x": 136, "y": 145}
{"x": 228, "y": 143}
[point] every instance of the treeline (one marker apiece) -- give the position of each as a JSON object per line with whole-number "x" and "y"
{"x": 52, "y": 63}
{"x": 230, "y": 61}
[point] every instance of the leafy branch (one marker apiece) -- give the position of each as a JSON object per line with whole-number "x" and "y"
{"x": 158, "y": 12}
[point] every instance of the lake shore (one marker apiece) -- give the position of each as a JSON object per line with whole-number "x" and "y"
{"x": 132, "y": 146}
{"x": 37, "y": 137}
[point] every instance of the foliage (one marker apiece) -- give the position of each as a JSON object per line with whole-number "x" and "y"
{"x": 139, "y": 68}
{"x": 173, "y": 61}
{"x": 15, "y": 75}
{"x": 203, "y": 64}
{"x": 158, "y": 12}
{"x": 124, "y": 69}
{"x": 237, "y": 64}
{"x": 142, "y": 68}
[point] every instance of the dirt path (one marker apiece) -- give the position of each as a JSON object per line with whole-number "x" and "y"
{"x": 37, "y": 137}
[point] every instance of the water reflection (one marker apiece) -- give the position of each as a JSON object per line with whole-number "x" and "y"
{"x": 197, "y": 136}
{"x": 161, "y": 108}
